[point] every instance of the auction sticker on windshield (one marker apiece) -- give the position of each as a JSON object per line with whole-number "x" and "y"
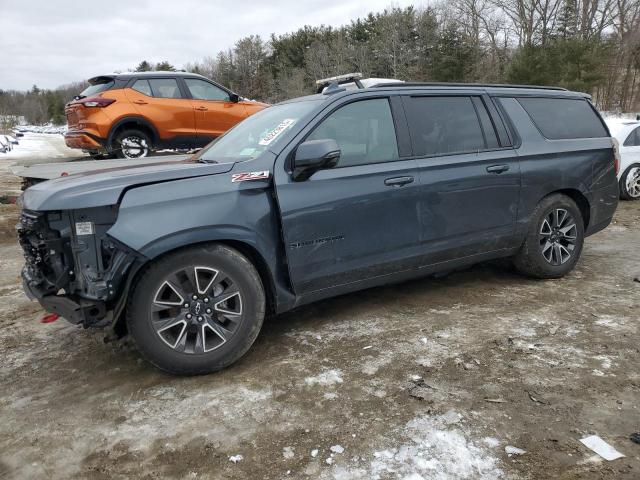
{"x": 273, "y": 134}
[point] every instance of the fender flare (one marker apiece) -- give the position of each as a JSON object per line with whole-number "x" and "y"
{"x": 136, "y": 121}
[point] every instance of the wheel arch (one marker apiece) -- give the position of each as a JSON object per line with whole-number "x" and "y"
{"x": 134, "y": 123}
{"x": 580, "y": 199}
{"x": 242, "y": 245}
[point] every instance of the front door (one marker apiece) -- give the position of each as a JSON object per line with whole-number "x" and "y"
{"x": 161, "y": 102}
{"x": 357, "y": 220}
{"x": 215, "y": 112}
{"x": 469, "y": 181}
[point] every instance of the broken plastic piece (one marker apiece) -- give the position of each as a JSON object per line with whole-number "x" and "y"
{"x": 601, "y": 447}
{"x": 49, "y": 318}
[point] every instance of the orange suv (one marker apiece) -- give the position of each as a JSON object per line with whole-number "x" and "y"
{"x": 132, "y": 114}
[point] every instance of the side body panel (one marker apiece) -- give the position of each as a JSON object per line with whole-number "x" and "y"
{"x": 580, "y": 165}
{"x": 171, "y": 116}
{"x": 156, "y": 219}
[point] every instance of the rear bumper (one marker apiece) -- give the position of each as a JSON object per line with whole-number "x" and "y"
{"x": 84, "y": 140}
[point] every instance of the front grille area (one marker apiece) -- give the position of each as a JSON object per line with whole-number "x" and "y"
{"x": 45, "y": 268}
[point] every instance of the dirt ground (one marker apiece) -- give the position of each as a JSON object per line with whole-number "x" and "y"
{"x": 428, "y": 379}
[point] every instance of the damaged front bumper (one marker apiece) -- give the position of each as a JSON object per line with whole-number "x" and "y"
{"x": 81, "y": 277}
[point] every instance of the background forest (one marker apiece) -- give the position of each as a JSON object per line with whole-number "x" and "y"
{"x": 587, "y": 45}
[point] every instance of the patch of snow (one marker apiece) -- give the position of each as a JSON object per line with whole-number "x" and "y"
{"x": 288, "y": 452}
{"x": 328, "y": 377}
{"x": 236, "y": 458}
{"x": 511, "y": 450}
{"x": 434, "y": 451}
{"x": 491, "y": 442}
{"x": 329, "y": 461}
{"x": 330, "y": 395}
{"x": 337, "y": 449}
{"x": 314, "y": 453}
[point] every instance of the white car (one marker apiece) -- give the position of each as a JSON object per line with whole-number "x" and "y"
{"x": 5, "y": 146}
{"x": 627, "y": 132}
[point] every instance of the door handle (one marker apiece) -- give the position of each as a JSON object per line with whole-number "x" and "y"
{"x": 497, "y": 168}
{"x": 202, "y": 108}
{"x": 398, "y": 181}
{"x": 140, "y": 102}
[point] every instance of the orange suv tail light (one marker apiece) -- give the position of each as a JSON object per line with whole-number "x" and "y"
{"x": 98, "y": 102}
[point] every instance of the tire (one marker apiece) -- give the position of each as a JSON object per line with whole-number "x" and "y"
{"x": 630, "y": 183}
{"x": 547, "y": 252}
{"x": 132, "y": 144}
{"x": 185, "y": 336}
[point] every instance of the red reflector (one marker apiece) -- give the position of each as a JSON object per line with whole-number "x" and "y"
{"x": 49, "y": 318}
{"x": 64, "y": 174}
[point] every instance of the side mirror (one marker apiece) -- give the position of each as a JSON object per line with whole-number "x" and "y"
{"x": 234, "y": 97}
{"x": 314, "y": 155}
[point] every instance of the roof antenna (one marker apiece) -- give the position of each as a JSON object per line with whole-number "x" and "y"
{"x": 333, "y": 88}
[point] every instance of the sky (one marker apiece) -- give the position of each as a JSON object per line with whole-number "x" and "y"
{"x": 55, "y": 42}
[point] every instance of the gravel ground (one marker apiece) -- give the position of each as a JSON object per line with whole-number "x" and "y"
{"x": 430, "y": 379}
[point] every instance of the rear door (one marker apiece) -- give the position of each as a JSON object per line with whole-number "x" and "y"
{"x": 357, "y": 220}
{"x": 469, "y": 175}
{"x": 161, "y": 102}
{"x": 215, "y": 113}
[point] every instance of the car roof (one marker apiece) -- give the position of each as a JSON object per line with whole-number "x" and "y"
{"x": 416, "y": 87}
{"x": 154, "y": 73}
{"x": 621, "y": 127}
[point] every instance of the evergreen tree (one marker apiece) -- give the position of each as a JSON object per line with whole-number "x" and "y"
{"x": 165, "y": 67}
{"x": 143, "y": 66}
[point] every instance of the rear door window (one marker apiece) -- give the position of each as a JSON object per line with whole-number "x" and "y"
{"x": 633, "y": 140}
{"x": 445, "y": 125}
{"x": 142, "y": 86}
{"x": 563, "y": 118}
{"x": 100, "y": 86}
{"x": 201, "y": 90}
{"x": 165, "y": 88}
{"x": 363, "y": 130}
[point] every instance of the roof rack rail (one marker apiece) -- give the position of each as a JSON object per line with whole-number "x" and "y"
{"x": 481, "y": 85}
{"x": 339, "y": 80}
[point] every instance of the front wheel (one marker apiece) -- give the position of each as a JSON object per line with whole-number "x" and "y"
{"x": 132, "y": 144}
{"x": 196, "y": 311}
{"x": 554, "y": 240}
{"x": 630, "y": 183}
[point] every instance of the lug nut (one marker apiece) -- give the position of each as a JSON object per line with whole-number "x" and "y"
{"x": 208, "y": 310}
{"x": 186, "y": 305}
{"x": 206, "y": 300}
{"x": 194, "y": 296}
{"x": 199, "y": 319}
{"x": 189, "y": 316}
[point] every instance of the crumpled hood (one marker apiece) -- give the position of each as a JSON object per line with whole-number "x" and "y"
{"x": 105, "y": 187}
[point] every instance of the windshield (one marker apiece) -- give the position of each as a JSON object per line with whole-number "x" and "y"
{"x": 96, "y": 88}
{"x": 252, "y": 136}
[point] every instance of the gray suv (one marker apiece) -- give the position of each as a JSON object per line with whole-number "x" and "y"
{"x": 316, "y": 197}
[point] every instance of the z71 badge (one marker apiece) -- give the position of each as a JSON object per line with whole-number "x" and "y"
{"x": 245, "y": 176}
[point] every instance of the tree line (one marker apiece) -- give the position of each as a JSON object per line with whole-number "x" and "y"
{"x": 587, "y": 45}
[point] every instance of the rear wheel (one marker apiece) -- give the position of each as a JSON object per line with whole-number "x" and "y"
{"x": 197, "y": 311}
{"x": 132, "y": 144}
{"x": 554, "y": 240}
{"x": 630, "y": 183}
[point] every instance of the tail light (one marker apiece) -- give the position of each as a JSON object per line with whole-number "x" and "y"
{"x": 616, "y": 155}
{"x": 97, "y": 102}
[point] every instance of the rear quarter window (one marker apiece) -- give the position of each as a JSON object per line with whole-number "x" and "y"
{"x": 564, "y": 118}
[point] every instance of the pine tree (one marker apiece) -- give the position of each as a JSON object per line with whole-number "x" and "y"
{"x": 144, "y": 66}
